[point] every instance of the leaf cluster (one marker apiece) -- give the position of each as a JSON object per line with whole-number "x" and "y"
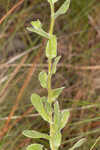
{"x": 48, "y": 107}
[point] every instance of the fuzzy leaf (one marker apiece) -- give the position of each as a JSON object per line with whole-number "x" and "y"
{"x": 78, "y": 144}
{"x": 51, "y": 48}
{"x": 56, "y": 93}
{"x": 57, "y": 117}
{"x": 54, "y": 67}
{"x": 47, "y": 106}
{"x": 36, "y": 24}
{"x": 35, "y": 147}
{"x": 54, "y": 1}
{"x": 38, "y": 104}
{"x": 43, "y": 79}
{"x": 64, "y": 118}
{"x": 37, "y": 28}
{"x": 63, "y": 9}
{"x": 35, "y": 134}
{"x": 56, "y": 139}
{"x": 39, "y": 32}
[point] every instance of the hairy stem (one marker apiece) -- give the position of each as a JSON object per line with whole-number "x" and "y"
{"x": 50, "y": 75}
{"x": 49, "y": 60}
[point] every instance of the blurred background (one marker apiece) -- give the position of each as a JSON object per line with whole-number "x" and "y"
{"x": 22, "y": 57}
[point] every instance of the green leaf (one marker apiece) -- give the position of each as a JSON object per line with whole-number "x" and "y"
{"x": 43, "y": 79}
{"x": 51, "y": 48}
{"x": 63, "y": 9}
{"x": 36, "y": 24}
{"x": 52, "y": 1}
{"x": 78, "y": 144}
{"x": 47, "y": 107}
{"x": 37, "y": 28}
{"x": 56, "y": 93}
{"x": 38, "y": 104}
{"x": 57, "y": 117}
{"x": 54, "y": 67}
{"x": 35, "y": 147}
{"x": 64, "y": 118}
{"x": 35, "y": 134}
{"x": 56, "y": 140}
{"x": 39, "y": 32}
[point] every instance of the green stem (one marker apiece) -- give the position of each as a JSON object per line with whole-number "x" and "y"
{"x": 49, "y": 60}
{"x": 50, "y": 76}
{"x": 52, "y": 19}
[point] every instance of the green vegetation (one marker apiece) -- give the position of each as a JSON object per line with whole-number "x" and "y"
{"x": 48, "y": 108}
{"x": 22, "y": 58}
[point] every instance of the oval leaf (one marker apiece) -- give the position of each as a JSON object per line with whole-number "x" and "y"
{"x": 56, "y": 93}
{"x": 38, "y": 104}
{"x": 63, "y": 9}
{"x": 47, "y": 107}
{"x": 51, "y": 48}
{"x": 57, "y": 117}
{"x": 37, "y": 28}
{"x": 36, "y": 24}
{"x": 43, "y": 79}
{"x": 35, "y": 134}
{"x": 54, "y": 67}
{"x": 64, "y": 118}
{"x": 56, "y": 140}
{"x": 39, "y": 32}
{"x": 35, "y": 147}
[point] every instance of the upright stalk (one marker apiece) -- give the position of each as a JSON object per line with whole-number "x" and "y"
{"x": 50, "y": 60}
{"x": 48, "y": 107}
{"x": 50, "y": 74}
